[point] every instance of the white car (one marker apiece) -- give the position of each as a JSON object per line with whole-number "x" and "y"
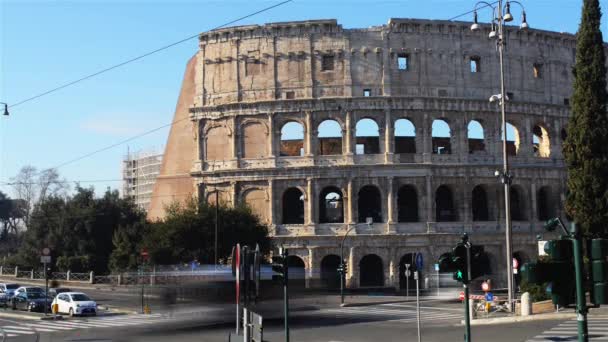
{"x": 74, "y": 303}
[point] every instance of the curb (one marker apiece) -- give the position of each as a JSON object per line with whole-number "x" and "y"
{"x": 514, "y": 319}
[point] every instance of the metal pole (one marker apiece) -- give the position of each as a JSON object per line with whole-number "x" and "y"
{"x": 46, "y": 288}
{"x": 285, "y": 295}
{"x": 581, "y": 299}
{"x": 505, "y": 170}
{"x": 465, "y": 284}
{"x": 416, "y": 276}
{"x": 343, "y": 274}
{"x": 217, "y": 220}
{"x": 407, "y": 282}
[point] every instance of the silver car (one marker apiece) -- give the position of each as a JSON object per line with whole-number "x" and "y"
{"x": 7, "y": 291}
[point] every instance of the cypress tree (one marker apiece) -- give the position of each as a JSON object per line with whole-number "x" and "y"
{"x": 586, "y": 145}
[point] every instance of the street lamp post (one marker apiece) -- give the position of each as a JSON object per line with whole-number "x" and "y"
{"x": 501, "y": 15}
{"x": 342, "y": 263}
{"x": 5, "y": 108}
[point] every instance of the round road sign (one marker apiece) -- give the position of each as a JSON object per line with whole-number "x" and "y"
{"x": 461, "y": 296}
{"x": 46, "y": 251}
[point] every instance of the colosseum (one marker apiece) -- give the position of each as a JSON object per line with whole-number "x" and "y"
{"x": 385, "y": 132}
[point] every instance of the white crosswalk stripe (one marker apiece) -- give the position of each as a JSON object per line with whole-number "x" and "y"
{"x": 397, "y": 312}
{"x": 568, "y": 331}
{"x": 15, "y": 328}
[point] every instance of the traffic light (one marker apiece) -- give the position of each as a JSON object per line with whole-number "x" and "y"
{"x": 599, "y": 270}
{"x": 279, "y": 266}
{"x": 343, "y": 268}
{"x": 557, "y": 271}
{"x": 456, "y": 261}
{"x": 459, "y": 262}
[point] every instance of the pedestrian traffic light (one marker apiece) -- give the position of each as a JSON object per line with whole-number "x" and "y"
{"x": 459, "y": 261}
{"x": 343, "y": 268}
{"x": 599, "y": 270}
{"x": 279, "y": 266}
{"x": 456, "y": 261}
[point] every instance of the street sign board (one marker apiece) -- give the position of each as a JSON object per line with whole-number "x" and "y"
{"x": 437, "y": 267}
{"x": 257, "y": 327}
{"x": 408, "y": 273}
{"x": 46, "y": 251}
{"x": 489, "y": 297}
{"x": 419, "y": 261}
{"x": 45, "y": 259}
{"x": 485, "y": 286}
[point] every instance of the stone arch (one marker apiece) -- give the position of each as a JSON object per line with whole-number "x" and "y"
{"x": 257, "y": 200}
{"x": 367, "y": 135}
{"x": 331, "y": 205}
{"x": 407, "y": 204}
{"x": 293, "y": 206}
{"x": 405, "y": 136}
{"x": 222, "y": 196}
{"x": 518, "y": 203}
{"x": 545, "y": 204}
{"x": 441, "y": 137}
{"x": 445, "y": 210}
{"x": 513, "y": 139}
{"x": 369, "y": 204}
{"x": 329, "y": 137}
{"x": 217, "y": 143}
{"x": 479, "y": 204}
{"x": 330, "y": 278}
{"x": 297, "y": 271}
{"x": 292, "y": 139}
{"x": 255, "y": 136}
{"x": 541, "y": 142}
{"x": 475, "y": 134}
{"x": 371, "y": 271}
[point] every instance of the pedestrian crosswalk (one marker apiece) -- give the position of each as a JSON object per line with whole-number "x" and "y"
{"x": 568, "y": 331}
{"x": 18, "y": 328}
{"x": 401, "y": 312}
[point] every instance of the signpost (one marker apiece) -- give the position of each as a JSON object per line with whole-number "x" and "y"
{"x": 144, "y": 258}
{"x": 416, "y": 276}
{"x": 45, "y": 259}
{"x": 437, "y": 272}
{"x": 407, "y": 281}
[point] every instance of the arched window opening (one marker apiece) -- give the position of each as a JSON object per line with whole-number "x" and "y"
{"x": 297, "y": 272}
{"x": 293, "y": 206}
{"x": 292, "y": 139}
{"x": 517, "y": 204}
{"x": 407, "y": 204}
{"x": 512, "y": 139}
{"x": 545, "y": 204}
{"x": 476, "y": 137}
{"x": 331, "y": 206}
{"x": 369, "y": 204}
{"x": 441, "y": 137}
{"x": 444, "y": 205}
{"x": 405, "y": 136}
{"x": 371, "y": 272}
{"x": 540, "y": 142}
{"x": 329, "y": 138}
{"x": 367, "y": 136}
{"x": 480, "y": 204}
{"x": 330, "y": 278}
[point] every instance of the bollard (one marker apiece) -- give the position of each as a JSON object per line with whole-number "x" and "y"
{"x": 119, "y": 279}
{"x": 91, "y": 278}
{"x": 32, "y": 274}
{"x": 1, "y": 269}
{"x": 526, "y": 304}
{"x": 67, "y": 275}
{"x": 16, "y": 271}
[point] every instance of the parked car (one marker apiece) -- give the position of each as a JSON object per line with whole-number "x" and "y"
{"x": 74, "y": 303}
{"x": 31, "y": 300}
{"x": 8, "y": 289}
{"x": 54, "y": 291}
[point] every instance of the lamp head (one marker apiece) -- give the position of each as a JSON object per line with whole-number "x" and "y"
{"x": 524, "y": 24}
{"x": 475, "y": 26}
{"x": 497, "y": 173}
{"x": 507, "y": 17}
{"x": 5, "y": 109}
{"x": 494, "y": 98}
{"x": 492, "y": 32}
{"x": 551, "y": 224}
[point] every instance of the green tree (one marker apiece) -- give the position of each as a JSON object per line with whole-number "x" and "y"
{"x": 188, "y": 232}
{"x": 586, "y": 146}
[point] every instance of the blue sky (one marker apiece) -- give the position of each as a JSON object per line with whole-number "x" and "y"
{"x": 44, "y": 44}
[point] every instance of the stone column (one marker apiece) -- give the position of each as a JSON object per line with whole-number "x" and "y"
{"x": 271, "y": 214}
{"x": 310, "y": 145}
{"x": 556, "y": 141}
{"x": 429, "y": 200}
{"x": 389, "y": 133}
{"x": 467, "y": 216}
{"x": 349, "y": 133}
{"x": 233, "y": 195}
{"x": 351, "y": 202}
{"x": 525, "y": 139}
{"x": 390, "y": 219}
{"x": 352, "y": 277}
{"x": 235, "y": 140}
{"x": 533, "y": 217}
{"x": 310, "y": 200}
{"x": 393, "y": 269}
{"x": 310, "y": 274}
{"x": 427, "y": 149}
{"x": 271, "y": 137}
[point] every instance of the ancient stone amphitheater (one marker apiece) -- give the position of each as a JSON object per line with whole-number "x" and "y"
{"x": 387, "y": 131}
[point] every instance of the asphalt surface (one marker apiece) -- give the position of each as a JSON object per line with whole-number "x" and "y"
{"x": 386, "y": 320}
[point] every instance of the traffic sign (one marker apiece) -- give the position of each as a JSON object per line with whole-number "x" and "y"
{"x": 419, "y": 261}
{"x": 46, "y": 251}
{"x": 408, "y": 273}
{"x": 144, "y": 253}
{"x": 461, "y": 296}
{"x": 485, "y": 286}
{"x": 437, "y": 267}
{"x": 515, "y": 263}
{"x": 45, "y": 259}
{"x": 541, "y": 248}
{"x": 489, "y": 297}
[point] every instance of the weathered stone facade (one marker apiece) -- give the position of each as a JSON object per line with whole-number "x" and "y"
{"x": 420, "y": 189}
